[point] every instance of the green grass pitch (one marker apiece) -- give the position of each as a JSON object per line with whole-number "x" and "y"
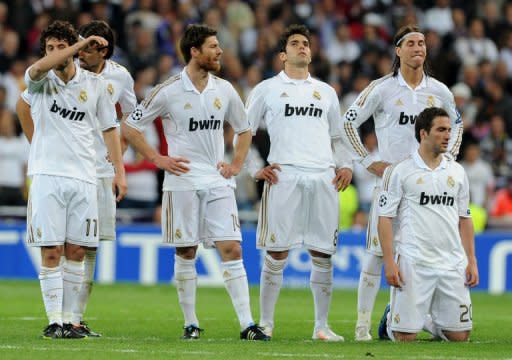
{"x": 144, "y": 322}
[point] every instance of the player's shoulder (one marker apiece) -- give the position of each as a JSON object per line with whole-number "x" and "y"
{"x": 381, "y": 83}
{"x": 437, "y": 85}
{"x": 222, "y": 83}
{"x": 322, "y": 85}
{"x": 375, "y": 88}
{"x": 116, "y": 68}
{"x": 452, "y": 163}
{"x": 266, "y": 84}
{"x": 161, "y": 89}
{"x": 168, "y": 84}
{"x": 401, "y": 168}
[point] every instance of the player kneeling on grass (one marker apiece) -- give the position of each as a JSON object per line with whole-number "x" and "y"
{"x": 434, "y": 262}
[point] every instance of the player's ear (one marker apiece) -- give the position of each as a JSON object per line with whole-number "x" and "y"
{"x": 398, "y": 49}
{"x": 282, "y": 56}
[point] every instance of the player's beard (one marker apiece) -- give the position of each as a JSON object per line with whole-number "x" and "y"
{"x": 209, "y": 65}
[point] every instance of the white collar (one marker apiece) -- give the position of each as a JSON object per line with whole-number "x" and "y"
{"x": 189, "y": 86}
{"x": 419, "y": 161}
{"x": 288, "y": 79}
{"x": 402, "y": 82}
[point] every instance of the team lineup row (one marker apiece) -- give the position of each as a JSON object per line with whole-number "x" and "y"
{"x": 68, "y": 114}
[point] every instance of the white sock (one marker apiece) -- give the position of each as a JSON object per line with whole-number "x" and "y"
{"x": 235, "y": 280}
{"x": 185, "y": 276}
{"x": 73, "y": 279}
{"x": 51, "y": 288}
{"x": 271, "y": 280}
{"x": 85, "y": 292}
{"x": 321, "y": 287}
{"x": 369, "y": 285}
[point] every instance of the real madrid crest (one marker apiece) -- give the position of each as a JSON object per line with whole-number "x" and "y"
{"x": 430, "y": 101}
{"x": 217, "y": 103}
{"x": 110, "y": 89}
{"x": 450, "y": 182}
{"x": 83, "y": 96}
{"x": 316, "y": 95}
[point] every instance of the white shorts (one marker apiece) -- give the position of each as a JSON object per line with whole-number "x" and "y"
{"x": 106, "y": 209}
{"x": 428, "y": 290}
{"x": 200, "y": 216}
{"x": 60, "y": 210}
{"x": 302, "y": 209}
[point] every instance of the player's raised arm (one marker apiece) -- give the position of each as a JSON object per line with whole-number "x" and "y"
{"x": 57, "y": 53}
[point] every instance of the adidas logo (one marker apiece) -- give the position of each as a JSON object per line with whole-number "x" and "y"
{"x": 420, "y": 181}
{"x": 284, "y": 95}
{"x": 399, "y": 103}
{"x": 187, "y": 106}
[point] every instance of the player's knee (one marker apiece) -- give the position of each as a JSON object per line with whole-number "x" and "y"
{"x": 278, "y": 255}
{"x": 232, "y": 251}
{"x": 404, "y": 337}
{"x": 187, "y": 253}
{"x": 50, "y": 256}
{"x": 458, "y": 336}
{"x": 317, "y": 254}
{"x": 74, "y": 252}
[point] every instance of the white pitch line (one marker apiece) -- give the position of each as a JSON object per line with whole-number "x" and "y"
{"x": 132, "y": 351}
{"x": 295, "y": 355}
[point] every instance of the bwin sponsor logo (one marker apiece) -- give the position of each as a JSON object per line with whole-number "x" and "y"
{"x": 67, "y": 114}
{"x": 405, "y": 119}
{"x": 310, "y": 110}
{"x": 211, "y": 124}
{"x": 444, "y": 199}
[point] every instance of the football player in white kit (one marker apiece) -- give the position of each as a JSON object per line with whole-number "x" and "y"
{"x": 198, "y": 205}
{"x": 429, "y": 270}
{"x": 300, "y": 197}
{"x": 394, "y": 101}
{"x": 67, "y": 105}
{"x": 120, "y": 89}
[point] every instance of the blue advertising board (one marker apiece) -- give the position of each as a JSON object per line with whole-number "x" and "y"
{"x": 139, "y": 256}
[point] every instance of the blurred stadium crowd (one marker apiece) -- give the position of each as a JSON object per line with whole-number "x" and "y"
{"x": 469, "y": 49}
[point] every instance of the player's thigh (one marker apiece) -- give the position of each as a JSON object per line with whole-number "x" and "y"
{"x": 46, "y": 212}
{"x": 452, "y": 309}
{"x": 281, "y": 220}
{"x": 321, "y": 203}
{"x": 221, "y": 217}
{"x": 106, "y": 209}
{"x": 82, "y": 215}
{"x": 181, "y": 216}
{"x": 410, "y": 304}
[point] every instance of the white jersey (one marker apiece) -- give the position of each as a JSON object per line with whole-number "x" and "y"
{"x": 394, "y": 106}
{"x": 119, "y": 84}
{"x": 428, "y": 204}
{"x": 301, "y": 117}
{"x": 66, "y": 115}
{"x": 193, "y": 125}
